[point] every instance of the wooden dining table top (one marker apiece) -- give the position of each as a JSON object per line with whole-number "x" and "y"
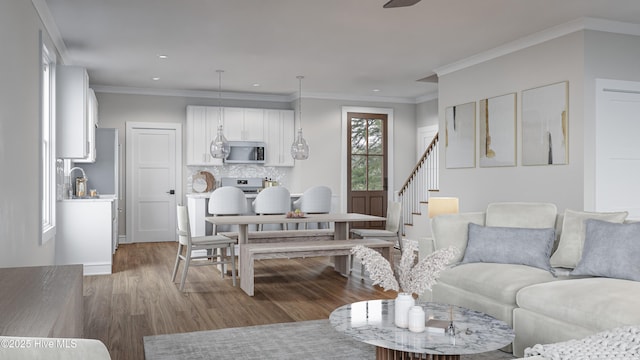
{"x": 279, "y": 219}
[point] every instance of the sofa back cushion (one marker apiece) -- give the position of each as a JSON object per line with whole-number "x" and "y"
{"x": 452, "y": 230}
{"x": 569, "y": 249}
{"x": 522, "y": 215}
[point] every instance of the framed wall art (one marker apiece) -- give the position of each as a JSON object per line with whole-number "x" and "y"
{"x": 545, "y": 125}
{"x": 498, "y": 131}
{"x": 460, "y": 136}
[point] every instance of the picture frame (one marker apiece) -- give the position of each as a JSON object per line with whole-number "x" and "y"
{"x": 460, "y": 136}
{"x": 497, "y": 127}
{"x": 545, "y": 125}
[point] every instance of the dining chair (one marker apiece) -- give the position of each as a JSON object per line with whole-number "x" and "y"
{"x": 391, "y": 232}
{"x": 216, "y": 247}
{"x": 273, "y": 200}
{"x": 314, "y": 200}
{"x": 226, "y": 201}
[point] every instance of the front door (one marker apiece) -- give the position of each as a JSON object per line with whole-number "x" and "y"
{"x": 367, "y": 166}
{"x": 152, "y": 183}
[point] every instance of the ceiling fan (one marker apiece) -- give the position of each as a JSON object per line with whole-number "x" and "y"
{"x": 399, "y": 3}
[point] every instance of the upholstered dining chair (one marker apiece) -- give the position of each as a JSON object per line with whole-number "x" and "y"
{"x": 314, "y": 200}
{"x": 225, "y": 201}
{"x": 216, "y": 246}
{"x": 391, "y": 232}
{"x": 273, "y": 200}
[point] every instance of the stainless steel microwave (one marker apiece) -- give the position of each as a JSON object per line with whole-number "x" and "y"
{"x": 246, "y": 152}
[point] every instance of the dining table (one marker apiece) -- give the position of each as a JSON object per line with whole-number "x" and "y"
{"x": 340, "y": 223}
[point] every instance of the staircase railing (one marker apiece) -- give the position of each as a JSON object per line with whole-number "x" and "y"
{"x": 423, "y": 178}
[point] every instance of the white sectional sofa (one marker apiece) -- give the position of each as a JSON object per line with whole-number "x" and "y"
{"x": 511, "y": 265}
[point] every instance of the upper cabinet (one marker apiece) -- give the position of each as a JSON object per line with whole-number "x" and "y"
{"x": 75, "y": 120}
{"x": 92, "y": 121}
{"x": 202, "y": 126}
{"x": 274, "y": 127}
{"x": 279, "y": 134}
{"x": 244, "y": 124}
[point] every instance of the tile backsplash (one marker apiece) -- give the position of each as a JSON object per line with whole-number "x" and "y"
{"x": 279, "y": 174}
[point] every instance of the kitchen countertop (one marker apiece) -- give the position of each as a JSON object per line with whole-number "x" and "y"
{"x": 206, "y": 195}
{"x": 106, "y": 197}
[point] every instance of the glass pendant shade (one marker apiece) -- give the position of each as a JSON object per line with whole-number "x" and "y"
{"x": 220, "y": 145}
{"x": 300, "y": 148}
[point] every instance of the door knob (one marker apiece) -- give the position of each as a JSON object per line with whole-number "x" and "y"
{"x": 171, "y": 192}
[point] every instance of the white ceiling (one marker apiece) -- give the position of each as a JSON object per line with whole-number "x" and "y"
{"x": 344, "y": 48}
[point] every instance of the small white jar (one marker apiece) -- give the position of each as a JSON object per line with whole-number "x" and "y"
{"x": 402, "y": 304}
{"x": 416, "y": 319}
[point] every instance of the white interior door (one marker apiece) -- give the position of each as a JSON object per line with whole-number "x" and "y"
{"x": 617, "y": 146}
{"x": 153, "y": 182}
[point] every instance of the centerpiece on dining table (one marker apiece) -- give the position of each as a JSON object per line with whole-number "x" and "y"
{"x": 410, "y": 276}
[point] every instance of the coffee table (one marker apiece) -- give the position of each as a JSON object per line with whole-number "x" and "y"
{"x": 372, "y": 322}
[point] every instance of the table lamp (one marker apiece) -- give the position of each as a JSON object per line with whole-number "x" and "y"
{"x": 442, "y": 205}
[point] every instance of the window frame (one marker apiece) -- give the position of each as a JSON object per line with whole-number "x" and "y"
{"x": 47, "y": 142}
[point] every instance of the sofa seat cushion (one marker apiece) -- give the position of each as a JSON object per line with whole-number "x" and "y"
{"x": 593, "y": 303}
{"x": 499, "y": 282}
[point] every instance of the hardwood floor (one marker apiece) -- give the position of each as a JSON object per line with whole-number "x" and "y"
{"x": 139, "y": 299}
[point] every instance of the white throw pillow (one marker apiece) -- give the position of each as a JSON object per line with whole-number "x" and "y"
{"x": 571, "y": 242}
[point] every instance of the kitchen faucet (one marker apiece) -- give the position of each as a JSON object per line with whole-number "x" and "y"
{"x": 68, "y": 183}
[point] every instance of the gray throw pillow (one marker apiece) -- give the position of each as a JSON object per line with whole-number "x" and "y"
{"x": 610, "y": 250}
{"x": 506, "y": 245}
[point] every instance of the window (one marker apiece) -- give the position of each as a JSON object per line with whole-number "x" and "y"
{"x": 48, "y": 148}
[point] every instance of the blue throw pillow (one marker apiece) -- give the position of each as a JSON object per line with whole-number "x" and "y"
{"x": 610, "y": 250}
{"x": 506, "y": 245}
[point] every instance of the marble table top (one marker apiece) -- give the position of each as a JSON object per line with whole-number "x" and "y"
{"x": 372, "y": 322}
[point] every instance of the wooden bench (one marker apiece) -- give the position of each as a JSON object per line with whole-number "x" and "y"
{"x": 277, "y": 236}
{"x": 251, "y": 252}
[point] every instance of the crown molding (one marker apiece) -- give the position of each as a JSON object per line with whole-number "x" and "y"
{"x": 427, "y": 97}
{"x": 541, "y": 37}
{"x": 190, "y": 93}
{"x": 47, "y": 20}
{"x": 350, "y": 97}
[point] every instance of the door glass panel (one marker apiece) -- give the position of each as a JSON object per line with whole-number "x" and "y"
{"x": 358, "y": 172}
{"x": 375, "y": 177}
{"x": 358, "y": 136}
{"x": 375, "y": 136}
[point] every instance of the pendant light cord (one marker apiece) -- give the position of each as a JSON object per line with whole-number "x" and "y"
{"x": 219, "y": 96}
{"x": 300, "y": 77}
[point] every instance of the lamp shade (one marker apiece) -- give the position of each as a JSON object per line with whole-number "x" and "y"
{"x": 442, "y": 205}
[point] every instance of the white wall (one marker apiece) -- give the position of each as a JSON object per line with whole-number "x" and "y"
{"x": 427, "y": 113}
{"x": 608, "y": 56}
{"x": 561, "y": 59}
{"x": 20, "y": 137}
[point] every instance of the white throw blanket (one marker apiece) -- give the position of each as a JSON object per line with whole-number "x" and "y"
{"x": 622, "y": 343}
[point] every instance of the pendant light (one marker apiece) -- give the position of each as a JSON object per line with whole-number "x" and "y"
{"x": 219, "y": 147}
{"x": 300, "y": 148}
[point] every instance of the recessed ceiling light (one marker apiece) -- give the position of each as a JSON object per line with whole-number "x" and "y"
{"x": 256, "y": 85}
{"x": 163, "y": 56}
{"x": 155, "y": 78}
{"x": 375, "y": 90}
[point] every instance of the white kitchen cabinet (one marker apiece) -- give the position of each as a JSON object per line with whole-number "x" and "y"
{"x": 279, "y": 135}
{"x": 244, "y": 124}
{"x": 92, "y": 124}
{"x": 202, "y": 127}
{"x": 73, "y": 128}
{"x": 85, "y": 234}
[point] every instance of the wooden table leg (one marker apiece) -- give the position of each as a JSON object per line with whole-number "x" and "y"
{"x": 341, "y": 263}
{"x": 389, "y": 354}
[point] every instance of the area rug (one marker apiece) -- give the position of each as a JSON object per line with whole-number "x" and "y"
{"x": 296, "y": 340}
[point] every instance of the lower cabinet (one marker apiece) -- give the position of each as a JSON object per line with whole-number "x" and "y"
{"x": 85, "y": 234}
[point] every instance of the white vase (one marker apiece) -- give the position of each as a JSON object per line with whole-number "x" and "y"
{"x": 403, "y": 303}
{"x": 416, "y": 319}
